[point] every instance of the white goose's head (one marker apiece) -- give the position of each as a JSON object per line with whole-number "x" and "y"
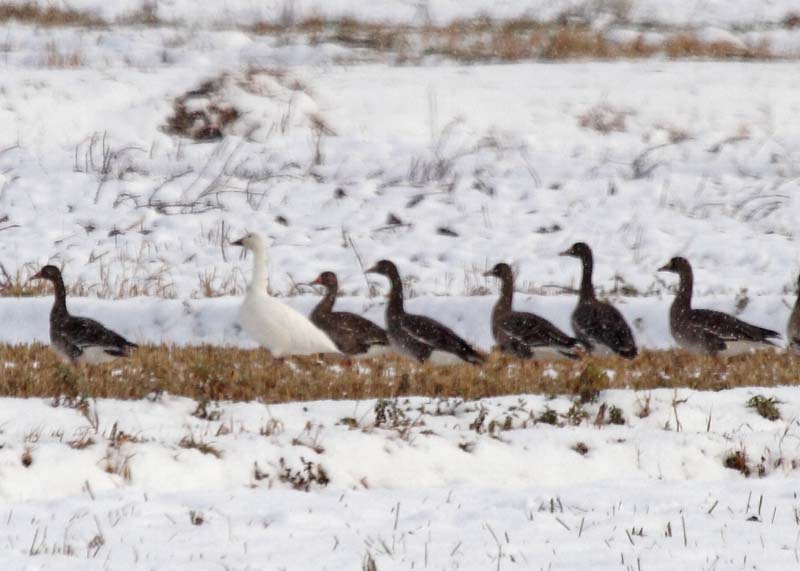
{"x": 252, "y": 241}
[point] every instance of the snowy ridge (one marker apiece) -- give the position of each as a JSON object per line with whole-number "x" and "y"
{"x": 420, "y": 443}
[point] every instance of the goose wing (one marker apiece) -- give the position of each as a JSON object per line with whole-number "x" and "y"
{"x": 534, "y": 331}
{"x": 439, "y": 337}
{"x": 353, "y": 333}
{"x": 83, "y": 332}
{"x": 694, "y": 335}
{"x": 729, "y": 328}
{"x": 602, "y": 323}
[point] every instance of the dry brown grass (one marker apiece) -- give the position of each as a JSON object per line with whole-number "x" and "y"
{"x": 213, "y": 373}
{"x": 50, "y": 16}
{"x": 605, "y": 118}
{"x": 57, "y": 58}
{"x": 17, "y": 283}
{"x": 688, "y": 45}
{"x": 483, "y": 39}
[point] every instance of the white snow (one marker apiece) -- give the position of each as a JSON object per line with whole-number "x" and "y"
{"x": 455, "y": 482}
{"x": 493, "y": 153}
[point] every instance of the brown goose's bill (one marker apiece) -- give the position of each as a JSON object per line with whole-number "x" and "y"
{"x": 664, "y": 268}
{"x": 564, "y": 253}
{"x": 372, "y": 270}
{"x": 488, "y": 274}
{"x": 36, "y": 276}
{"x": 317, "y": 281}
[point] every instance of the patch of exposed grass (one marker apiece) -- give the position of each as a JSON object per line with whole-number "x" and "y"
{"x": 576, "y": 414}
{"x": 190, "y": 442}
{"x": 737, "y": 460}
{"x": 17, "y": 283}
{"x": 548, "y": 416}
{"x": 55, "y": 57}
{"x": 27, "y": 458}
{"x": 604, "y": 118}
{"x": 485, "y": 39}
{"x": 581, "y": 448}
{"x": 310, "y": 475}
{"x": 765, "y": 406}
{"x": 207, "y": 373}
{"x": 589, "y": 383}
{"x": 615, "y": 415}
{"x": 49, "y": 16}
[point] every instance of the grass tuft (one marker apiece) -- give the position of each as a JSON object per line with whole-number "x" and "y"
{"x": 767, "y": 407}
{"x": 549, "y": 416}
{"x": 310, "y": 475}
{"x": 615, "y": 415}
{"x": 27, "y": 457}
{"x": 737, "y": 460}
{"x": 189, "y": 442}
{"x": 581, "y": 448}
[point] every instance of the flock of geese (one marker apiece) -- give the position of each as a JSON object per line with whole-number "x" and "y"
{"x": 598, "y": 326}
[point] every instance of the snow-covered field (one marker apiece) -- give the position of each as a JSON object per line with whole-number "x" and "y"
{"x": 341, "y": 158}
{"x": 445, "y": 170}
{"x": 436, "y": 484}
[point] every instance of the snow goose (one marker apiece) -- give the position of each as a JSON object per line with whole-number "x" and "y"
{"x": 793, "y": 330}
{"x": 417, "y": 336}
{"x": 706, "y": 331}
{"x": 597, "y": 324}
{"x": 272, "y": 324}
{"x": 352, "y": 334}
{"x": 79, "y": 340}
{"x": 525, "y": 335}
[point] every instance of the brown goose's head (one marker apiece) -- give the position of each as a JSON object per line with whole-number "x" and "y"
{"x": 327, "y": 279}
{"x": 676, "y": 265}
{"x": 501, "y": 270}
{"x": 578, "y": 250}
{"x": 50, "y": 273}
{"x": 384, "y": 268}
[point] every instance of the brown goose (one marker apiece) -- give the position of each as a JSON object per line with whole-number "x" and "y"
{"x": 79, "y": 340}
{"x": 597, "y": 324}
{"x": 352, "y": 334}
{"x": 417, "y": 336}
{"x": 706, "y": 331}
{"x": 523, "y": 334}
{"x": 793, "y": 330}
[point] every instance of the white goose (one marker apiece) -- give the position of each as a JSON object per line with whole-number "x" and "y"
{"x": 275, "y": 325}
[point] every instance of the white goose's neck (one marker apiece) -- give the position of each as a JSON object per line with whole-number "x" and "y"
{"x": 258, "y": 283}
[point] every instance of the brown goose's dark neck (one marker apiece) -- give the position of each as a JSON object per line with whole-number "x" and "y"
{"x": 395, "y": 306}
{"x": 60, "y": 302}
{"x": 587, "y": 289}
{"x": 325, "y": 306}
{"x": 685, "y": 286}
{"x": 506, "y": 294}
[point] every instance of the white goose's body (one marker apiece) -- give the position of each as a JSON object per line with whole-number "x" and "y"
{"x": 273, "y": 324}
